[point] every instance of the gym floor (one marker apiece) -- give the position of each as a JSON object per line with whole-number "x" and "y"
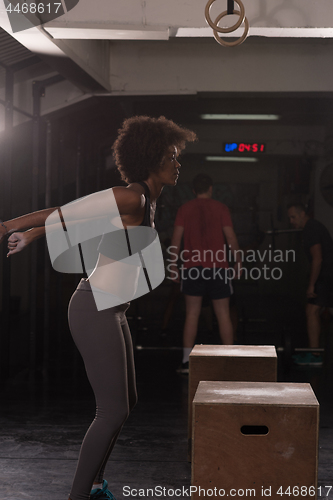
{"x": 43, "y": 422}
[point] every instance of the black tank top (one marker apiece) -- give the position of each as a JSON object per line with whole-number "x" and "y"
{"x": 146, "y": 217}
{"x": 122, "y": 243}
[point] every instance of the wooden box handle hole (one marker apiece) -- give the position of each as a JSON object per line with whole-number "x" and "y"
{"x": 254, "y": 430}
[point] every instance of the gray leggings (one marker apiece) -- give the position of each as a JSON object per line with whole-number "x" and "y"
{"x": 104, "y": 341}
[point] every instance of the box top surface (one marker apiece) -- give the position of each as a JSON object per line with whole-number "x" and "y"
{"x": 249, "y": 393}
{"x": 234, "y": 350}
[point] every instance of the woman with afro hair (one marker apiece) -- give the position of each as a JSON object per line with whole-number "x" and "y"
{"x": 145, "y": 153}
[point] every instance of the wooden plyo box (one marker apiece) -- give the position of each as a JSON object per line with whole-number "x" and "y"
{"x": 261, "y": 437}
{"x": 229, "y": 362}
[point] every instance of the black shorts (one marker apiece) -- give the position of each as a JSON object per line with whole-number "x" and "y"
{"x": 200, "y": 281}
{"x": 324, "y": 292}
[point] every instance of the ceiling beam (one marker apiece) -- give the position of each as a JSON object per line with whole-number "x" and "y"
{"x": 85, "y": 64}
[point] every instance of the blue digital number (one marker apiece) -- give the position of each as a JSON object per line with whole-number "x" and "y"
{"x": 232, "y": 146}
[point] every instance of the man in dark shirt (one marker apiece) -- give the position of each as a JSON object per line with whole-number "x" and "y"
{"x": 318, "y": 246}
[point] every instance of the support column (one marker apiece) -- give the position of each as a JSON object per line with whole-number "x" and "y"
{"x": 59, "y": 345}
{"x": 7, "y": 204}
{"x": 37, "y": 91}
{"x": 47, "y": 274}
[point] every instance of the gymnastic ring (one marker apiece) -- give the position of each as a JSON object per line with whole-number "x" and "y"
{"x": 225, "y": 30}
{"x": 236, "y": 42}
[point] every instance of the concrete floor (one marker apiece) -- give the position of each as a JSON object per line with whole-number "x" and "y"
{"x": 42, "y": 425}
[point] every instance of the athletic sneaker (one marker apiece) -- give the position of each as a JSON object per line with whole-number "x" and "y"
{"x": 308, "y": 359}
{"x": 102, "y": 493}
{"x": 183, "y": 368}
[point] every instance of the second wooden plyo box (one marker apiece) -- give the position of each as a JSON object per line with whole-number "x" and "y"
{"x": 228, "y": 363}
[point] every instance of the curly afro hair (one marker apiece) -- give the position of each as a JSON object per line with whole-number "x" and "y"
{"x": 142, "y": 143}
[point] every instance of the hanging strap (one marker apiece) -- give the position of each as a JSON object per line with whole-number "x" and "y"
{"x": 231, "y": 7}
{"x": 69, "y": 242}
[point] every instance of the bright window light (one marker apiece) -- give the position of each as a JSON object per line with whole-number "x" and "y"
{"x": 239, "y": 117}
{"x": 231, "y": 158}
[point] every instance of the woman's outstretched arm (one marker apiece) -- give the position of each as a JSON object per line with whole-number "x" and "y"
{"x": 111, "y": 202}
{"x": 34, "y": 219}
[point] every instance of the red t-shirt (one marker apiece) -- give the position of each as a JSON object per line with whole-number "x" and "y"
{"x": 203, "y": 220}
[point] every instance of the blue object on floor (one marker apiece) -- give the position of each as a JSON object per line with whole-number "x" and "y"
{"x": 308, "y": 359}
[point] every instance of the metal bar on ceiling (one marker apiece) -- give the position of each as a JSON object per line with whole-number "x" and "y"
{"x": 25, "y": 63}
{"x": 18, "y": 110}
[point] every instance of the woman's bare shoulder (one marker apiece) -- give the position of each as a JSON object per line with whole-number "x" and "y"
{"x": 129, "y": 199}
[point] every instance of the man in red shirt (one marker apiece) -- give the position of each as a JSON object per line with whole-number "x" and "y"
{"x": 209, "y": 239}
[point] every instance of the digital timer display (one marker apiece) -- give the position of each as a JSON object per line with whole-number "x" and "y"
{"x": 244, "y": 147}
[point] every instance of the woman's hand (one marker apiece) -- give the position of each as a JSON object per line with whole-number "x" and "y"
{"x": 17, "y": 242}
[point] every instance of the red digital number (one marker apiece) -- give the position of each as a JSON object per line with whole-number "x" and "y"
{"x": 251, "y": 148}
{"x": 244, "y": 147}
